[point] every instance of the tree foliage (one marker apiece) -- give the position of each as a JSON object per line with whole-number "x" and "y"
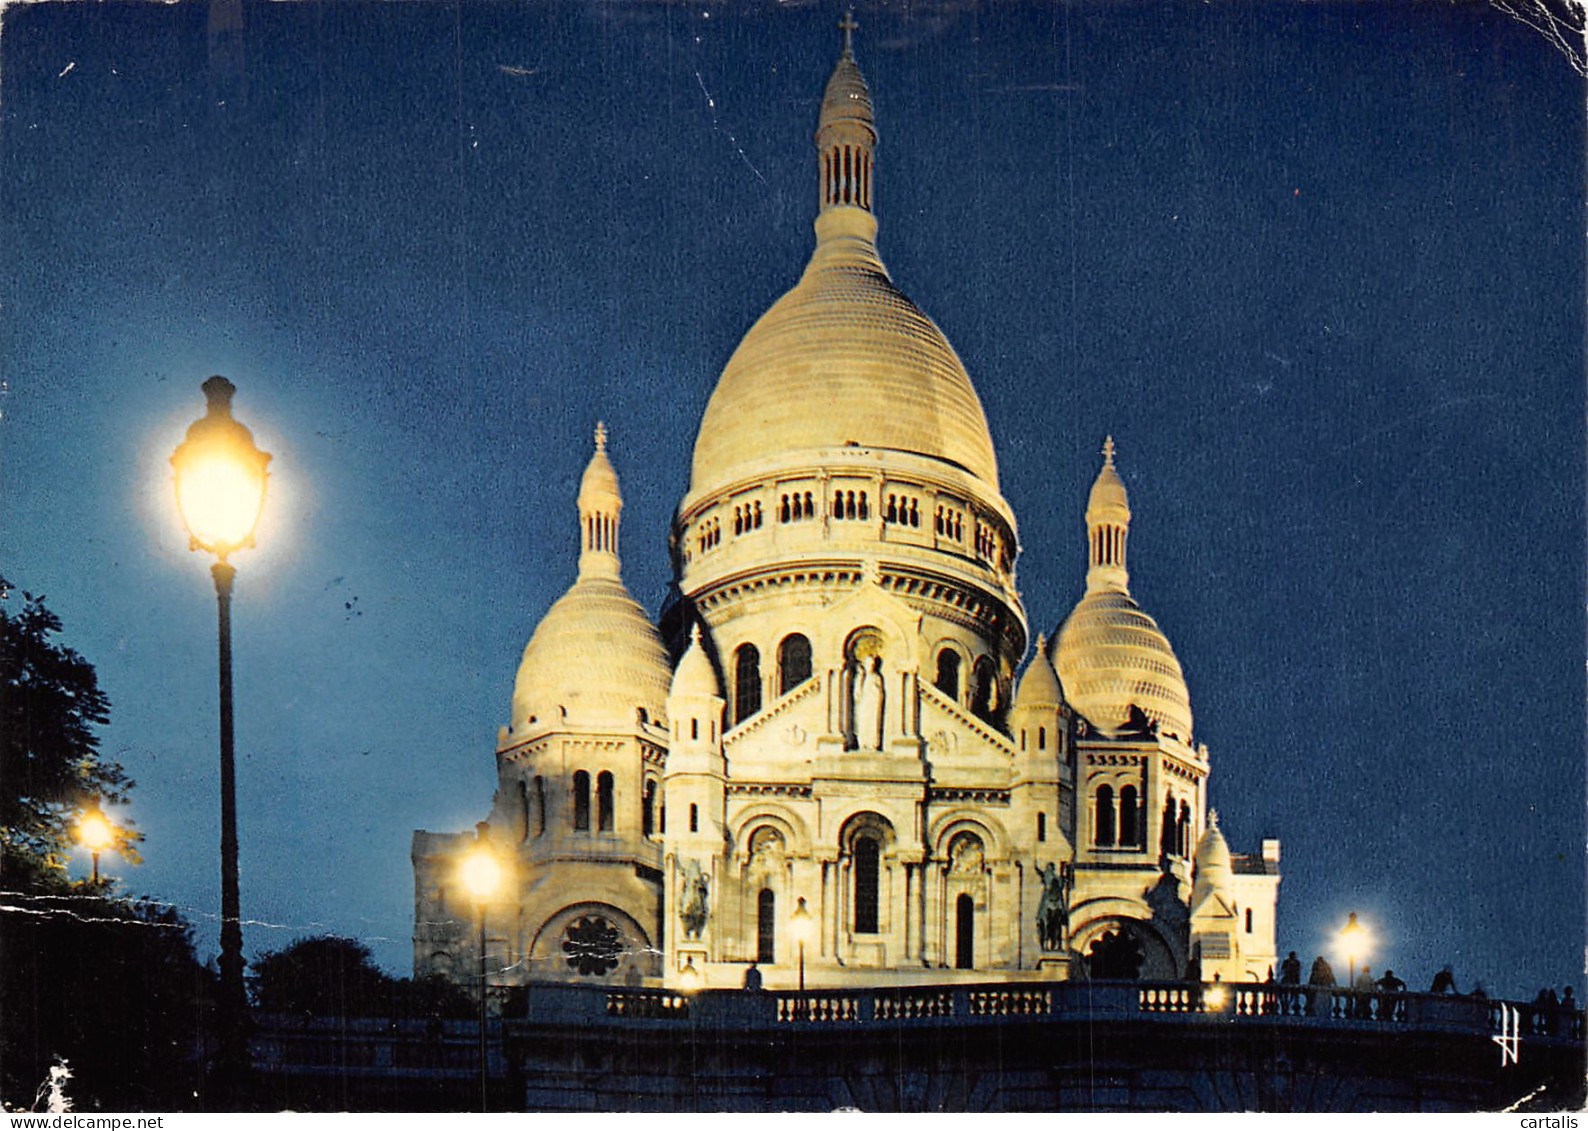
{"x": 50, "y": 766}
{"x": 110, "y": 986}
{"x": 329, "y": 976}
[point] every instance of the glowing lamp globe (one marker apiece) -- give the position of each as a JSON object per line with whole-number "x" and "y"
{"x": 481, "y": 873}
{"x": 1355, "y": 941}
{"x": 93, "y": 831}
{"x": 220, "y": 476}
{"x": 802, "y": 925}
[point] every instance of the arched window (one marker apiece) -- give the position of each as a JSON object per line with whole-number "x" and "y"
{"x": 893, "y": 509}
{"x": 868, "y": 867}
{"x": 1042, "y": 826}
{"x": 782, "y": 510}
{"x": 964, "y": 933}
{"x": 1128, "y": 817}
{"x": 1184, "y": 838}
{"x": 986, "y": 678}
{"x": 766, "y": 927}
{"x": 746, "y": 682}
{"x": 540, "y": 804}
{"x": 694, "y": 818}
{"x": 865, "y": 508}
{"x": 1166, "y": 837}
{"x": 581, "y": 800}
{"x": 1103, "y": 825}
{"x": 810, "y": 505}
{"x": 947, "y": 680}
{"x": 915, "y": 514}
{"x": 694, "y": 728}
{"x": 1248, "y": 920}
{"x": 523, "y": 808}
{"x": 648, "y": 810}
{"x": 604, "y": 802}
{"x": 793, "y": 662}
{"x": 1042, "y": 738}
{"x": 757, "y": 521}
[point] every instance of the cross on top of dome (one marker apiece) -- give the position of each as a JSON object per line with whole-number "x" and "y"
{"x": 849, "y": 27}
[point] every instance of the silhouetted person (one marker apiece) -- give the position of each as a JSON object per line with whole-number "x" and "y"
{"x": 1319, "y": 1000}
{"x": 1389, "y": 1003}
{"x": 1444, "y": 982}
{"x": 1362, "y": 1002}
{"x": 1567, "y": 1001}
{"x": 752, "y": 978}
{"x": 1290, "y": 970}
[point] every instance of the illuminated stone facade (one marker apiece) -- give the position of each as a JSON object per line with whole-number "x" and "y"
{"x": 843, "y": 724}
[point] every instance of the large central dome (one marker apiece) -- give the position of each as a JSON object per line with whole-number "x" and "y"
{"x": 844, "y": 358}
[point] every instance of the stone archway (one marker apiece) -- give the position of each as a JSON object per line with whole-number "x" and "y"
{"x": 1124, "y": 949}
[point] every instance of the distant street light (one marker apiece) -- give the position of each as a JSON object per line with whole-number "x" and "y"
{"x": 482, "y": 873}
{"x": 802, "y": 927}
{"x": 220, "y": 492}
{"x": 95, "y": 834}
{"x": 689, "y": 977}
{"x": 1354, "y": 942}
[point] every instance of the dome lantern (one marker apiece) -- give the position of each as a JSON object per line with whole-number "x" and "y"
{"x": 599, "y": 503}
{"x": 846, "y": 132}
{"x": 1107, "y": 527}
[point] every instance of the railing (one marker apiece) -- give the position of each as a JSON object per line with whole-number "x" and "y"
{"x": 646, "y": 1003}
{"x": 376, "y": 1043}
{"x": 817, "y": 1006}
{"x": 908, "y": 1005}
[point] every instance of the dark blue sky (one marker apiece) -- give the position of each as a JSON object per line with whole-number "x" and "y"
{"x": 1317, "y": 267}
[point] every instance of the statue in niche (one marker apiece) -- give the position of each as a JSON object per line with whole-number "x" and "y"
{"x": 1053, "y": 910}
{"x": 965, "y": 855}
{"x": 694, "y": 900}
{"x": 766, "y": 849}
{"x": 868, "y": 704}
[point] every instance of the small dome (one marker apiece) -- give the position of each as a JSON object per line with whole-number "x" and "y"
{"x": 1039, "y": 686}
{"x": 846, "y": 98}
{"x": 1108, "y": 501}
{"x": 1214, "y": 872}
{"x": 596, "y": 656}
{"x": 1110, "y": 655}
{"x": 694, "y": 674}
{"x": 599, "y": 484}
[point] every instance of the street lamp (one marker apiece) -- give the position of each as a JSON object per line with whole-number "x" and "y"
{"x": 482, "y": 872}
{"x": 1354, "y": 942}
{"x": 689, "y": 977}
{"x": 802, "y": 927}
{"x": 220, "y": 491}
{"x": 95, "y": 834}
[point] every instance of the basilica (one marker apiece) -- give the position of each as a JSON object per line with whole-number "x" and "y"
{"x": 826, "y": 760}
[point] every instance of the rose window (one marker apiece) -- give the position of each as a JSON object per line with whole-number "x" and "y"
{"x": 592, "y": 945}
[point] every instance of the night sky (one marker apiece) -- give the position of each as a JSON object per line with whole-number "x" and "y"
{"x": 1317, "y": 267}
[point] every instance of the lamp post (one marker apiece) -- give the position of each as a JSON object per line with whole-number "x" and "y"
{"x": 481, "y": 874}
{"x": 801, "y": 924}
{"x": 220, "y": 491}
{"x": 95, "y": 834}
